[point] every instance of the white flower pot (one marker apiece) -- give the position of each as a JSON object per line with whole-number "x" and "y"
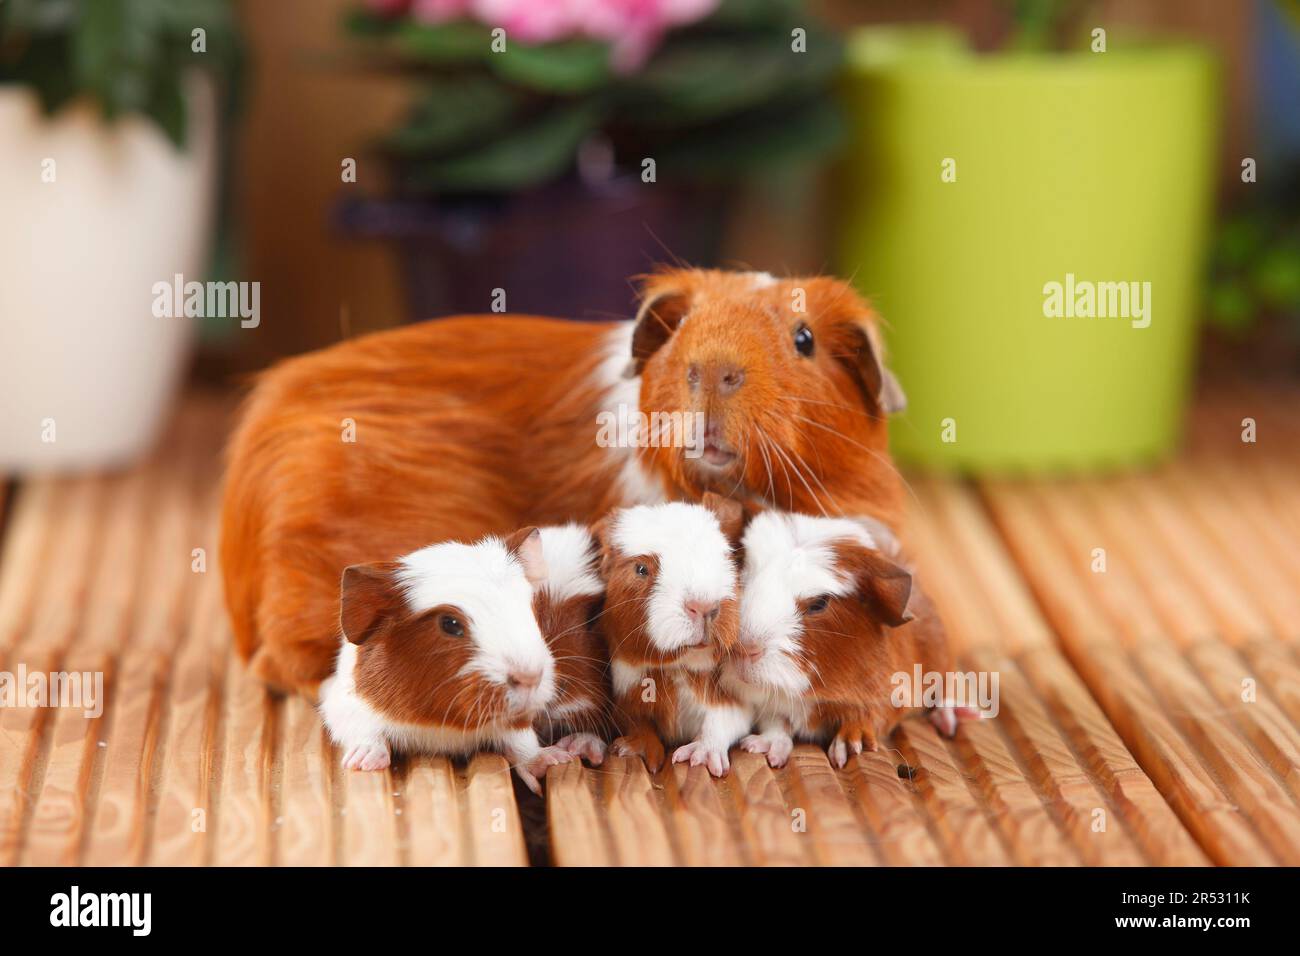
{"x": 86, "y": 370}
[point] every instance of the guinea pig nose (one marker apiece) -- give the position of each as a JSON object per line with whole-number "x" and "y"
{"x": 524, "y": 680}
{"x": 751, "y": 651}
{"x": 702, "y": 610}
{"x": 730, "y": 378}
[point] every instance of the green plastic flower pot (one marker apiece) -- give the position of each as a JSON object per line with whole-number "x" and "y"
{"x": 972, "y": 185}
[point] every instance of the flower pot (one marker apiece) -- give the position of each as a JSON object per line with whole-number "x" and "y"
{"x": 565, "y": 249}
{"x": 86, "y": 370}
{"x": 1067, "y": 170}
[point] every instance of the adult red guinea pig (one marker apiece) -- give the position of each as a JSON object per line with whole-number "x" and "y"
{"x": 479, "y": 424}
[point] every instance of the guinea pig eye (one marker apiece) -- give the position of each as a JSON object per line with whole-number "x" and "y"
{"x": 642, "y": 570}
{"x": 817, "y": 605}
{"x": 451, "y": 625}
{"x": 803, "y": 341}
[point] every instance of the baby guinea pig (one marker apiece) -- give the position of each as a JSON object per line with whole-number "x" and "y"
{"x": 670, "y": 617}
{"x": 441, "y": 653}
{"x": 827, "y": 618}
{"x": 567, "y": 604}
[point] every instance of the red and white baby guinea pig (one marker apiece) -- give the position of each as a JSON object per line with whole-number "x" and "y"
{"x": 828, "y": 616}
{"x": 670, "y": 617}
{"x": 442, "y": 653}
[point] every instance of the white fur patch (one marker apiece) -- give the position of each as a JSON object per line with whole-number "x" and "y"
{"x": 570, "y": 553}
{"x": 762, "y": 280}
{"x": 695, "y": 563}
{"x": 636, "y": 484}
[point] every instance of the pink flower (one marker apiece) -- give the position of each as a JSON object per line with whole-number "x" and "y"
{"x": 439, "y": 11}
{"x": 529, "y": 21}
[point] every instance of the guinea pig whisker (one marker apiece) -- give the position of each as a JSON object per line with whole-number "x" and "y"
{"x": 884, "y": 460}
{"x": 767, "y": 464}
{"x": 788, "y": 483}
{"x": 797, "y": 400}
{"x": 820, "y": 485}
{"x": 780, "y": 451}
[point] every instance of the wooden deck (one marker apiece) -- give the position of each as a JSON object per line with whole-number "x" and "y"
{"x": 1150, "y": 714}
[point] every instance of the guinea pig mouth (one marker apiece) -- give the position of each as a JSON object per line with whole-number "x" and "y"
{"x": 716, "y": 455}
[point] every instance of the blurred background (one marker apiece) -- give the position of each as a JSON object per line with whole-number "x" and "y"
{"x": 372, "y": 163}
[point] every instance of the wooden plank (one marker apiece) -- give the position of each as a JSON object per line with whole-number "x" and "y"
{"x": 697, "y": 810}
{"x": 493, "y": 826}
{"x": 371, "y": 834}
{"x": 959, "y": 820}
{"x": 244, "y": 813}
{"x": 1069, "y": 788}
{"x": 632, "y": 813}
{"x": 432, "y": 813}
{"x": 578, "y": 836}
{"x": 775, "y": 835}
{"x": 892, "y": 811}
{"x": 184, "y": 817}
{"x": 838, "y": 838}
{"x": 1131, "y": 798}
{"x": 32, "y": 529}
{"x": 306, "y": 807}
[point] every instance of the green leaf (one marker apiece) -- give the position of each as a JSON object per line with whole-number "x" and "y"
{"x": 455, "y": 42}
{"x": 167, "y": 109}
{"x": 575, "y": 66}
{"x": 702, "y": 79}
{"x": 455, "y": 113}
{"x": 526, "y": 156}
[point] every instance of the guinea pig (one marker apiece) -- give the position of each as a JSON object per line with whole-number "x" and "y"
{"x": 475, "y": 425}
{"x": 568, "y": 604}
{"x": 670, "y": 618}
{"x": 827, "y": 619}
{"x": 441, "y": 653}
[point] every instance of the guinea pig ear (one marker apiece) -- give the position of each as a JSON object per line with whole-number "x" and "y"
{"x": 731, "y": 515}
{"x": 526, "y": 546}
{"x": 664, "y": 302}
{"x": 877, "y": 382}
{"x": 604, "y": 553}
{"x": 370, "y": 600}
{"x": 883, "y": 585}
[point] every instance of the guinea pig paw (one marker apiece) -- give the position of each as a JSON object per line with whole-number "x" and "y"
{"x": 700, "y": 754}
{"x": 777, "y": 746}
{"x": 366, "y": 756}
{"x": 584, "y": 745}
{"x": 646, "y": 746}
{"x": 532, "y": 772}
{"x": 851, "y": 741}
